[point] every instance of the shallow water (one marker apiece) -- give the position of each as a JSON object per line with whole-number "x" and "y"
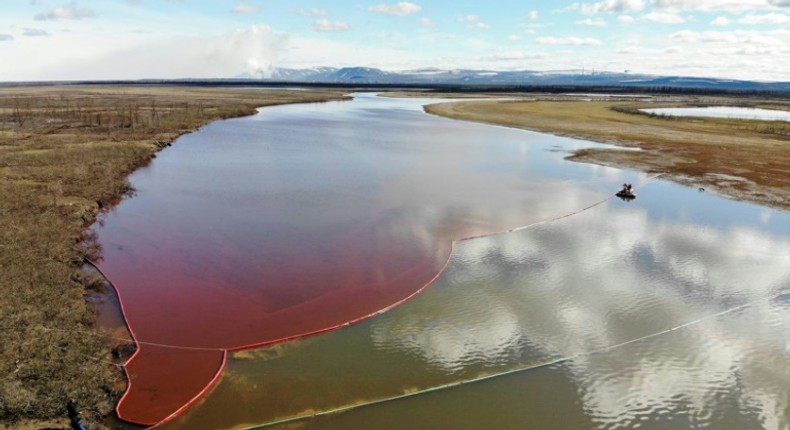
{"x": 389, "y": 176}
{"x": 724, "y": 112}
{"x": 299, "y": 219}
{"x": 571, "y": 288}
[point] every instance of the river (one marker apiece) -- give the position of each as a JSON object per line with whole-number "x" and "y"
{"x": 669, "y": 310}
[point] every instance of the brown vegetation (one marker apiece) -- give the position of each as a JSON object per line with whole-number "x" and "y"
{"x": 65, "y": 153}
{"x": 743, "y": 159}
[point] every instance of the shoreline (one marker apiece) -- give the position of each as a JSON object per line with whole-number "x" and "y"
{"x": 725, "y": 157}
{"x": 66, "y": 153}
{"x": 59, "y": 176}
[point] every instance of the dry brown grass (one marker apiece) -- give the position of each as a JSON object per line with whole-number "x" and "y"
{"x": 65, "y": 153}
{"x": 753, "y": 156}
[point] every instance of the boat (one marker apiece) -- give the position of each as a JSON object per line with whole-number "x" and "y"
{"x": 627, "y": 193}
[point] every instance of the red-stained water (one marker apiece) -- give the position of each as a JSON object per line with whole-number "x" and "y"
{"x": 296, "y": 220}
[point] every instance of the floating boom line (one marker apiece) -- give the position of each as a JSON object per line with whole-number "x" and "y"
{"x": 554, "y": 362}
{"x": 225, "y": 351}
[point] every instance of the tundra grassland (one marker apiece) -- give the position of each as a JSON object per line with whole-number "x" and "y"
{"x": 740, "y": 159}
{"x": 65, "y": 155}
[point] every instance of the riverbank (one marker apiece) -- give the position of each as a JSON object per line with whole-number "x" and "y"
{"x": 65, "y": 154}
{"x": 740, "y": 159}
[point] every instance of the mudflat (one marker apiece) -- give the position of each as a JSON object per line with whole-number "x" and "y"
{"x": 741, "y": 159}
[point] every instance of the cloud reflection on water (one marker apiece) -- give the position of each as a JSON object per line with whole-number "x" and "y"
{"x": 612, "y": 274}
{"x": 608, "y": 276}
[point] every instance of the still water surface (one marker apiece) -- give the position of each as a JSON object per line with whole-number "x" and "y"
{"x": 724, "y": 112}
{"x": 293, "y": 178}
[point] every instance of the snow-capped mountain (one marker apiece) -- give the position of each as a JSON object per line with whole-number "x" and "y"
{"x": 435, "y": 76}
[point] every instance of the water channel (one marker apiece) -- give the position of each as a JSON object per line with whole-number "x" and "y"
{"x": 672, "y": 310}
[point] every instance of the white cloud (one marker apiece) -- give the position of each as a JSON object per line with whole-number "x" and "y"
{"x": 732, "y": 6}
{"x": 475, "y": 22}
{"x": 517, "y": 55}
{"x": 533, "y": 15}
{"x": 762, "y": 51}
{"x": 630, "y": 6}
{"x": 594, "y": 22}
{"x": 737, "y": 38}
{"x": 434, "y": 36}
{"x": 79, "y": 44}
{"x": 301, "y": 52}
{"x": 71, "y": 11}
{"x": 573, "y": 7}
{"x": 641, "y": 50}
{"x": 721, "y": 21}
{"x": 769, "y": 18}
{"x": 577, "y": 41}
{"x": 400, "y": 9}
{"x": 685, "y": 36}
{"x": 469, "y": 18}
{"x": 245, "y": 8}
{"x": 706, "y": 36}
{"x": 609, "y": 6}
{"x": 35, "y": 32}
{"x": 425, "y": 22}
{"x": 740, "y": 53}
{"x": 309, "y": 12}
{"x": 325, "y": 25}
{"x": 253, "y": 50}
{"x": 533, "y": 26}
{"x": 663, "y": 18}
{"x": 6, "y": 37}
{"x": 628, "y": 50}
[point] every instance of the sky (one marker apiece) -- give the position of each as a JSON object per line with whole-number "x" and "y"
{"x": 134, "y": 39}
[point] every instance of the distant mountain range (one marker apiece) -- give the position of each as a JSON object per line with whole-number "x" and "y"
{"x": 470, "y": 77}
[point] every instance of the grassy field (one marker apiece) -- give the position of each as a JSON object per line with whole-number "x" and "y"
{"x": 65, "y": 154}
{"x": 741, "y": 159}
